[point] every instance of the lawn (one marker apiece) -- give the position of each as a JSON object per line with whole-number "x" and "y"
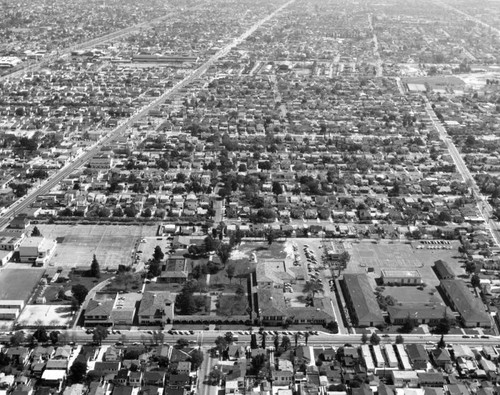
{"x": 124, "y": 282}
{"x": 229, "y": 305}
{"x": 202, "y": 304}
{"x": 19, "y": 284}
{"x": 413, "y": 296}
{"x": 51, "y": 291}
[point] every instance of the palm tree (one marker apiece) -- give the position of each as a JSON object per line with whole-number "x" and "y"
{"x": 263, "y": 337}
{"x": 296, "y": 337}
{"x": 276, "y": 341}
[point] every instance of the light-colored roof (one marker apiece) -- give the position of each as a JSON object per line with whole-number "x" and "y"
{"x": 54, "y": 375}
{"x": 401, "y": 273}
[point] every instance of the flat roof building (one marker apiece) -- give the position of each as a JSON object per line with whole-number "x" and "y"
{"x": 401, "y": 277}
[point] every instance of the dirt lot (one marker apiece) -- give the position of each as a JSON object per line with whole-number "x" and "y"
{"x": 18, "y": 284}
{"x": 112, "y": 244}
{"x": 47, "y": 315}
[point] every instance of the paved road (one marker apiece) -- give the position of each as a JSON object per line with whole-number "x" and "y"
{"x": 378, "y": 60}
{"x": 122, "y": 127}
{"x": 484, "y": 208}
{"x": 47, "y": 60}
{"x": 208, "y": 339}
{"x": 468, "y": 16}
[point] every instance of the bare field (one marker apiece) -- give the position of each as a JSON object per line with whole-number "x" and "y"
{"x": 46, "y": 315}
{"x": 112, "y": 244}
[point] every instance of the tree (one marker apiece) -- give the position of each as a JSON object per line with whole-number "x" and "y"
{"x": 374, "y": 339}
{"x": 230, "y": 272}
{"x": 441, "y": 343}
{"x": 475, "y": 281}
{"x": 444, "y": 216}
{"x": 80, "y": 292}
{"x": 470, "y": 267}
{"x": 313, "y": 287}
{"x": 229, "y": 337}
{"x": 224, "y": 253}
{"x": 253, "y": 341}
{"x": 221, "y": 344}
{"x": 277, "y": 188}
{"x": 263, "y": 336}
{"x": 158, "y": 254}
{"x": 196, "y": 359}
{"x": 443, "y": 326}
{"x": 285, "y": 342}
{"x": 184, "y": 300}
{"x": 257, "y": 363}
{"x": 130, "y": 211}
{"x": 182, "y": 343}
{"x": 54, "y": 337}
{"x": 333, "y": 326}
{"x": 100, "y": 333}
{"x": 154, "y": 268}
{"x": 78, "y": 370}
{"x": 306, "y": 337}
{"x": 400, "y": 339}
{"x": 36, "y": 232}
{"x": 270, "y": 237}
{"x": 364, "y": 338}
{"x": 17, "y": 338}
{"x": 4, "y": 360}
{"x": 409, "y": 325}
{"x": 344, "y": 259}
{"x": 41, "y": 335}
{"x": 215, "y": 376}
{"x": 95, "y": 271}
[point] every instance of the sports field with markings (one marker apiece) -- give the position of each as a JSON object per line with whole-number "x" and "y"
{"x": 112, "y": 244}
